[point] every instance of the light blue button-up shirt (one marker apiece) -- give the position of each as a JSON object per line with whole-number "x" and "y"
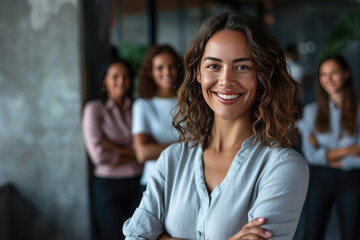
{"x": 261, "y": 182}
{"x": 329, "y": 140}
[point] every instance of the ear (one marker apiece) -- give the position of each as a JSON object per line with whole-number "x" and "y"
{"x": 198, "y": 75}
{"x": 347, "y": 75}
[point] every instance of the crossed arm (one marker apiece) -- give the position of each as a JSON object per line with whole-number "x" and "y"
{"x": 146, "y": 148}
{"x": 251, "y": 230}
{"x": 335, "y": 155}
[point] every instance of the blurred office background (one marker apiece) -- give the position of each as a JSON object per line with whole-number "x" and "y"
{"x": 51, "y": 51}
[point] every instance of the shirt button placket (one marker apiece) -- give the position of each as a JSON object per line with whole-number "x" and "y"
{"x": 200, "y": 235}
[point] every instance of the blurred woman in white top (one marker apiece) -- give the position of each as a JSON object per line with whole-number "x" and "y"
{"x": 159, "y": 77}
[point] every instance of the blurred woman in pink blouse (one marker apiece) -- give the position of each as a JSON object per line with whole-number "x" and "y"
{"x": 107, "y": 133}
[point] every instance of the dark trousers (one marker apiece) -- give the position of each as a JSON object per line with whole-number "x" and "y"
{"x": 330, "y": 186}
{"x": 115, "y": 201}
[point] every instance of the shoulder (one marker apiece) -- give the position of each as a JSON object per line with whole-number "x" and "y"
{"x": 287, "y": 158}
{"x": 164, "y": 102}
{"x": 179, "y": 149}
{"x": 139, "y": 105}
{"x": 309, "y": 115}
{"x": 281, "y": 165}
{"x": 142, "y": 103}
{"x": 264, "y": 157}
{"x": 179, "y": 152}
{"x": 94, "y": 103}
{"x": 310, "y": 108}
{"x": 94, "y": 106}
{"x": 284, "y": 154}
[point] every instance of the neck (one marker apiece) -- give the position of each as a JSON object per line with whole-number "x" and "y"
{"x": 164, "y": 93}
{"x": 228, "y": 134}
{"x": 119, "y": 102}
{"x": 337, "y": 98}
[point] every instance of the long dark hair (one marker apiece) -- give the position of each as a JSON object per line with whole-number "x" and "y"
{"x": 348, "y": 107}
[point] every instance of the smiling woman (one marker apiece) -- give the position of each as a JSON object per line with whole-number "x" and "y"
{"x": 152, "y": 131}
{"x": 228, "y": 76}
{"x": 107, "y": 133}
{"x": 331, "y": 144}
{"x": 233, "y": 175}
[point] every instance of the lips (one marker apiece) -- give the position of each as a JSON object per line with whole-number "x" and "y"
{"x": 228, "y": 98}
{"x": 166, "y": 79}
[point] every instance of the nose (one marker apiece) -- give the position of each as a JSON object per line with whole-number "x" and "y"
{"x": 121, "y": 80}
{"x": 227, "y": 78}
{"x": 328, "y": 77}
{"x": 167, "y": 70}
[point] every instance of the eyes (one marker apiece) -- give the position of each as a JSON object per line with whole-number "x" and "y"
{"x": 117, "y": 76}
{"x": 332, "y": 73}
{"x": 163, "y": 67}
{"x": 240, "y": 67}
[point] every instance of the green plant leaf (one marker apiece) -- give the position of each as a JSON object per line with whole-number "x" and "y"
{"x": 345, "y": 30}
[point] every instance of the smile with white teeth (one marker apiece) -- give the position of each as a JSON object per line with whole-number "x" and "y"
{"x": 228, "y": 96}
{"x": 167, "y": 79}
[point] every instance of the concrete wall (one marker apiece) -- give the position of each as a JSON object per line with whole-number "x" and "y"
{"x": 41, "y": 147}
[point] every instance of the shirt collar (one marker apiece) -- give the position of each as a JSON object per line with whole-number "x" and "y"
{"x": 332, "y": 105}
{"x": 110, "y": 104}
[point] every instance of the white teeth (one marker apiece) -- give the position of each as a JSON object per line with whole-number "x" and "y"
{"x": 228, "y": 96}
{"x": 167, "y": 78}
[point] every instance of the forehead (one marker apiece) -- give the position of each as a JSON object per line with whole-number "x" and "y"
{"x": 162, "y": 58}
{"x": 329, "y": 65}
{"x": 227, "y": 44}
{"x": 118, "y": 67}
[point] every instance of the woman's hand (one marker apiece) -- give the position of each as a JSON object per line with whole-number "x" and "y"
{"x": 354, "y": 150}
{"x": 108, "y": 145}
{"x": 313, "y": 141}
{"x": 253, "y": 231}
{"x": 126, "y": 153}
{"x": 334, "y": 156}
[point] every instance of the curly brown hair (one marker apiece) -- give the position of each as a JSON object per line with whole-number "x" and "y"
{"x": 147, "y": 86}
{"x": 349, "y": 104}
{"x": 276, "y": 106}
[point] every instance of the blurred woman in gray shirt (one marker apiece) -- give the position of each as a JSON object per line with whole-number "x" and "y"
{"x": 331, "y": 144}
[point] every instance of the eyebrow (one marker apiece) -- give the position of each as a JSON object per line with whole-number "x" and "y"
{"x": 235, "y": 60}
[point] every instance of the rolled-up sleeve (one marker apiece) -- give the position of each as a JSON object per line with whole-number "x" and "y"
{"x": 147, "y": 221}
{"x": 349, "y": 163}
{"x": 353, "y": 162}
{"x": 314, "y": 155}
{"x": 281, "y": 195}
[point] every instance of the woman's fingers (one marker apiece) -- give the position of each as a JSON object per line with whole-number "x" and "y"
{"x": 313, "y": 141}
{"x": 252, "y": 230}
{"x": 253, "y": 237}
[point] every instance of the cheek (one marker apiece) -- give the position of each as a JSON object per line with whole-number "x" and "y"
{"x": 108, "y": 81}
{"x": 253, "y": 88}
{"x": 208, "y": 80}
{"x": 321, "y": 82}
{"x": 340, "y": 79}
{"x": 174, "y": 72}
{"x": 127, "y": 84}
{"x": 155, "y": 72}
